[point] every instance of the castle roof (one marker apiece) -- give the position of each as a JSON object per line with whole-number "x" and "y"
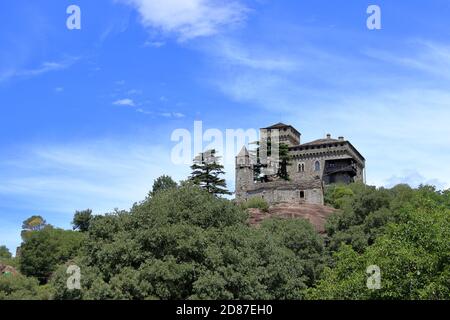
{"x": 244, "y": 152}
{"x": 281, "y": 125}
{"x": 320, "y": 142}
{"x": 323, "y": 143}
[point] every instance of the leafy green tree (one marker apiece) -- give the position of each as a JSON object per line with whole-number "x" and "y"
{"x": 82, "y": 220}
{"x": 412, "y": 254}
{"x": 4, "y": 253}
{"x": 19, "y": 287}
{"x": 206, "y": 172}
{"x": 44, "y": 250}
{"x": 185, "y": 243}
{"x": 34, "y": 223}
{"x": 162, "y": 183}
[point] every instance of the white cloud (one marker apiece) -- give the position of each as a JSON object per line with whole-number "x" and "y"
{"x": 429, "y": 57}
{"x": 102, "y": 175}
{"x": 154, "y": 44}
{"x": 399, "y": 121}
{"x": 188, "y": 19}
{"x": 413, "y": 178}
{"x": 45, "y": 67}
{"x": 56, "y": 180}
{"x": 124, "y": 102}
{"x": 257, "y": 58}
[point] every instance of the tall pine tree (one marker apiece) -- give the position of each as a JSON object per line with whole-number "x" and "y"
{"x": 206, "y": 172}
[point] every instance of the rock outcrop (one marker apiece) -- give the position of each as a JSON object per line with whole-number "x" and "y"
{"x": 314, "y": 213}
{"x": 5, "y": 269}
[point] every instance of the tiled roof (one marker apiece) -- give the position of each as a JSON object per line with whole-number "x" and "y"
{"x": 320, "y": 142}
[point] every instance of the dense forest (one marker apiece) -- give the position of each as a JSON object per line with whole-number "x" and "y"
{"x": 183, "y": 242}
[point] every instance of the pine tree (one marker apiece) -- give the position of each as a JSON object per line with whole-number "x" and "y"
{"x": 206, "y": 172}
{"x": 285, "y": 160}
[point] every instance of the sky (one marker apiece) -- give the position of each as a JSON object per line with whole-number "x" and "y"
{"x": 87, "y": 115}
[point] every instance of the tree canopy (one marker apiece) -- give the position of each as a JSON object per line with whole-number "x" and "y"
{"x": 82, "y": 220}
{"x": 207, "y": 172}
{"x": 5, "y": 253}
{"x": 184, "y": 242}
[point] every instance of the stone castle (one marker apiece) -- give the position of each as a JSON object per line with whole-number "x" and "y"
{"x": 313, "y": 166}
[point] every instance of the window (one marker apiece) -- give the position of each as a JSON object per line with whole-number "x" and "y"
{"x": 317, "y": 166}
{"x": 302, "y": 194}
{"x": 301, "y": 167}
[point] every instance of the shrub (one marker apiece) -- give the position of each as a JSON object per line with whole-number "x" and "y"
{"x": 257, "y": 203}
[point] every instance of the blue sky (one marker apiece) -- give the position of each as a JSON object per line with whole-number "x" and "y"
{"x": 87, "y": 115}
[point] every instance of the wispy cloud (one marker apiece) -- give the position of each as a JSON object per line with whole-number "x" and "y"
{"x": 188, "y": 19}
{"x": 414, "y": 179}
{"x": 404, "y": 114}
{"x": 99, "y": 174}
{"x": 124, "y": 102}
{"x": 45, "y": 67}
{"x": 429, "y": 57}
{"x": 56, "y": 180}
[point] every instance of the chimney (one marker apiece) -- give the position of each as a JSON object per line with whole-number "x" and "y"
{"x": 341, "y": 138}
{"x": 328, "y": 136}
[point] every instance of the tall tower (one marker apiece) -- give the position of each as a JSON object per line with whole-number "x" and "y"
{"x": 244, "y": 174}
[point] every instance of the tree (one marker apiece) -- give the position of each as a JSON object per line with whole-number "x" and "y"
{"x": 19, "y": 287}
{"x": 5, "y": 253}
{"x": 185, "y": 243}
{"x": 206, "y": 172}
{"x": 412, "y": 255}
{"x": 42, "y": 251}
{"x": 162, "y": 183}
{"x": 285, "y": 161}
{"x": 82, "y": 220}
{"x": 34, "y": 223}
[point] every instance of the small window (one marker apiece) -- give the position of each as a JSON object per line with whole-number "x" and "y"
{"x": 301, "y": 167}
{"x": 317, "y": 166}
{"x": 302, "y": 194}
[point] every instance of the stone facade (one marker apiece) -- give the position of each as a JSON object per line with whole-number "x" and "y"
{"x": 314, "y": 165}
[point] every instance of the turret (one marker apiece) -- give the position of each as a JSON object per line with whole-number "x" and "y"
{"x": 244, "y": 174}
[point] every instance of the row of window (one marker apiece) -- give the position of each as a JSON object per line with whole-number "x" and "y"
{"x": 301, "y": 167}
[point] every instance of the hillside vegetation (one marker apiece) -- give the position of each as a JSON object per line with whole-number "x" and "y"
{"x": 183, "y": 242}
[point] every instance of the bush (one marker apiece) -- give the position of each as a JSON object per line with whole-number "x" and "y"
{"x": 256, "y": 203}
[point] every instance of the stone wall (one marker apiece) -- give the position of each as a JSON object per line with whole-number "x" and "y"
{"x": 284, "y": 191}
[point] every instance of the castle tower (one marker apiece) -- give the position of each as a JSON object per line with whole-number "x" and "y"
{"x": 244, "y": 174}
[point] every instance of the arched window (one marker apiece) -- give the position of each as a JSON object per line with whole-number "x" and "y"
{"x": 317, "y": 166}
{"x": 301, "y": 167}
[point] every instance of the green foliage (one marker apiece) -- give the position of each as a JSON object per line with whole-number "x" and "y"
{"x": 44, "y": 250}
{"x": 22, "y": 288}
{"x": 285, "y": 161}
{"x": 82, "y": 220}
{"x": 206, "y": 172}
{"x": 257, "y": 203}
{"x": 185, "y": 243}
{"x": 34, "y": 223}
{"x": 413, "y": 256}
{"x": 161, "y": 184}
{"x": 4, "y": 253}
{"x": 364, "y": 213}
